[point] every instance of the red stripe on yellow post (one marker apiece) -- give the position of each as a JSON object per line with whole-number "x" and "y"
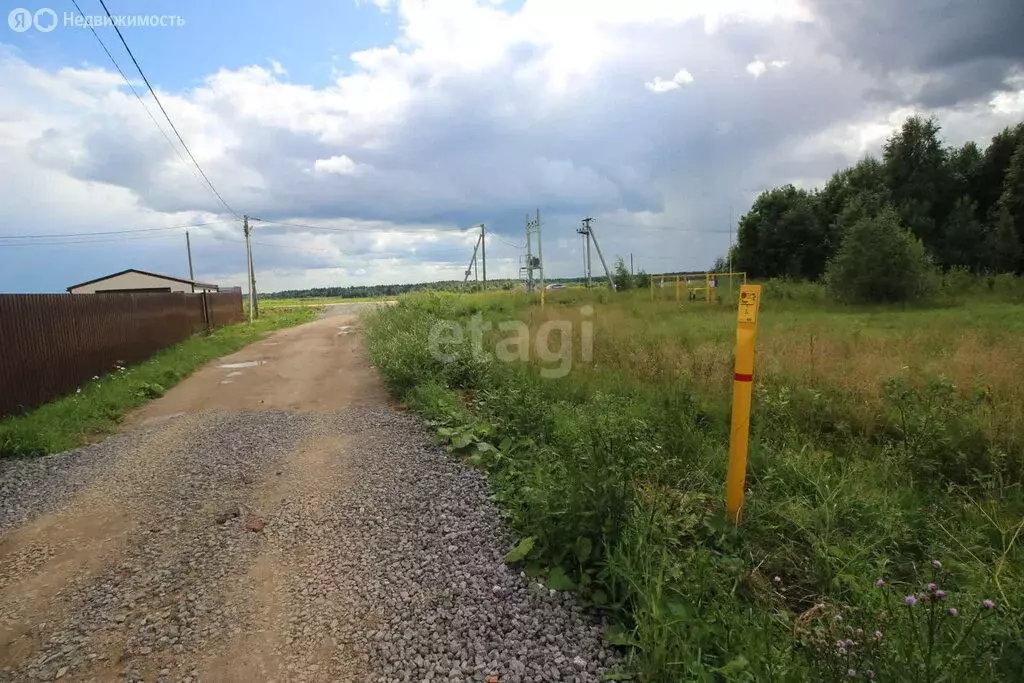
{"x": 743, "y": 378}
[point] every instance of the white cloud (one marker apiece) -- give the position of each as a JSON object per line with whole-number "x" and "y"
{"x": 758, "y": 68}
{"x": 478, "y": 111}
{"x": 682, "y": 77}
{"x": 659, "y": 86}
{"x": 342, "y": 165}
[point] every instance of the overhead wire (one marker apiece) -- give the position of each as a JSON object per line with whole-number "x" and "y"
{"x": 110, "y": 232}
{"x": 101, "y": 240}
{"x": 137, "y": 95}
{"x": 164, "y": 111}
{"x": 328, "y": 228}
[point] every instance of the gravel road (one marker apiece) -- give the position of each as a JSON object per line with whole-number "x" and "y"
{"x": 272, "y": 545}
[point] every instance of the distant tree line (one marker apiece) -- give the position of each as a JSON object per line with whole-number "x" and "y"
{"x": 376, "y": 291}
{"x": 923, "y": 206}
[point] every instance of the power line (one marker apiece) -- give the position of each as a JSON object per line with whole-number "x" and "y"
{"x": 506, "y": 242}
{"x": 275, "y": 245}
{"x": 101, "y": 240}
{"x": 160, "y": 104}
{"x": 306, "y": 226}
{"x": 672, "y": 228}
{"x": 108, "y": 232}
{"x": 137, "y": 95}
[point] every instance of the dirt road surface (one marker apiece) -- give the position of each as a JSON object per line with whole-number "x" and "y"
{"x": 275, "y": 517}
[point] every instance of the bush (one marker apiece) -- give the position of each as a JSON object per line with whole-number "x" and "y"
{"x": 880, "y": 261}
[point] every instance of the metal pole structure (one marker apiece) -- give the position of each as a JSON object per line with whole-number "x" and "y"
{"x": 540, "y": 255}
{"x": 584, "y": 249}
{"x": 529, "y": 257}
{"x": 248, "y": 264}
{"x": 631, "y": 264}
{"x": 597, "y": 246}
{"x": 590, "y": 261}
{"x": 483, "y": 251}
{"x": 585, "y": 231}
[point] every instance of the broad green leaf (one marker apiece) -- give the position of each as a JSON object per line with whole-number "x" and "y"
{"x": 618, "y": 635}
{"x": 520, "y": 552}
{"x": 583, "y": 549}
{"x": 558, "y": 580}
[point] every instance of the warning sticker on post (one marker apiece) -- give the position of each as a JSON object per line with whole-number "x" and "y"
{"x": 750, "y": 303}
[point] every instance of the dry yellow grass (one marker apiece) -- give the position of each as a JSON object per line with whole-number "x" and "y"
{"x": 852, "y": 353}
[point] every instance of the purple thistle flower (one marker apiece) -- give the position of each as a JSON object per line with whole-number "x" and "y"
{"x": 932, "y": 587}
{"x": 869, "y": 674}
{"x": 940, "y": 594}
{"x": 953, "y": 611}
{"x": 878, "y": 635}
{"x": 879, "y": 583}
{"x": 910, "y": 600}
{"x": 839, "y": 643}
{"x": 848, "y": 643}
{"x": 936, "y": 564}
{"x": 988, "y": 604}
{"x": 851, "y": 673}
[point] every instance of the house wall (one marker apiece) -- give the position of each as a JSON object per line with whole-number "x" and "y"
{"x": 134, "y": 281}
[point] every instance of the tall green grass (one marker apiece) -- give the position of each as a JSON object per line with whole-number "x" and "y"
{"x": 613, "y": 477}
{"x": 97, "y": 407}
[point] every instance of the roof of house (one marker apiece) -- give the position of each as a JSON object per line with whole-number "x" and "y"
{"x": 202, "y": 285}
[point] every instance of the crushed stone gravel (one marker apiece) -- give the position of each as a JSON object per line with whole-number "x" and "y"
{"x": 384, "y": 557}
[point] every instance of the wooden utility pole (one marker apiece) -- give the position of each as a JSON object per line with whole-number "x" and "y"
{"x": 248, "y": 262}
{"x": 191, "y": 273}
{"x": 255, "y": 294}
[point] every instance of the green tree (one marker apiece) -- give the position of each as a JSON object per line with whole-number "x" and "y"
{"x": 782, "y": 236}
{"x": 621, "y": 276}
{"x": 918, "y": 176}
{"x": 642, "y": 279}
{"x": 879, "y": 260}
{"x": 1004, "y": 246}
{"x": 965, "y": 166}
{"x": 965, "y": 242}
{"x": 1010, "y": 211}
{"x": 992, "y": 174}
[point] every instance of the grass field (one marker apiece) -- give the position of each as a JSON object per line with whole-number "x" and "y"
{"x": 882, "y": 440}
{"x": 314, "y": 302}
{"x": 99, "y": 405}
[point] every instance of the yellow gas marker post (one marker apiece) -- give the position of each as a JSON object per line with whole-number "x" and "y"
{"x": 743, "y": 378}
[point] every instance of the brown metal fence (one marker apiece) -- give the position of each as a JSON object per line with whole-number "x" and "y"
{"x": 52, "y": 343}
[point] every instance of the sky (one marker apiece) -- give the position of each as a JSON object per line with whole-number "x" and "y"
{"x": 371, "y": 137}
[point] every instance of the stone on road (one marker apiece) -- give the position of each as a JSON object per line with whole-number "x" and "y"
{"x": 282, "y": 524}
